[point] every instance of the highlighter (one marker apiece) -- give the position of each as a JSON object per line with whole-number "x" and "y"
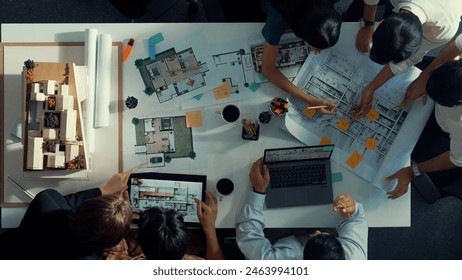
{"x": 128, "y": 49}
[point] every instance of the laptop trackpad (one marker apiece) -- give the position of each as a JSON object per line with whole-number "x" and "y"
{"x": 296, "y": 196}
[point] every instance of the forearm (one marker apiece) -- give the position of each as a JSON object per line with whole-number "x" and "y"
{"x": 249, "y": 229}
{"x": 369, "y": 12}
{"x": 213, "y": 251}
{"x": 447, "y": 54}
{"x": 382, "y": 77}
{"x": 353, "y": 233}
{"x": 278, "y": 79}
{"x": 272, "y": 73}
{"x": 439, "y": 163}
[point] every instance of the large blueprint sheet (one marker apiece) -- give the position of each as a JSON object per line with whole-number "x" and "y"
{"x": 372, "y": 147}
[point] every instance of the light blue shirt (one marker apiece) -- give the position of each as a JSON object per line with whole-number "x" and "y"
{"x": 352, "y": 234}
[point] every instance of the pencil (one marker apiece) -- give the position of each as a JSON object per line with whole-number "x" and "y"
{"x": 316, "y": 107}
{"x": 28, "y": 193}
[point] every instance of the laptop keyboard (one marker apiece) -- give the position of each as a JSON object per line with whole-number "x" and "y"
{"x": 296, "y": 176}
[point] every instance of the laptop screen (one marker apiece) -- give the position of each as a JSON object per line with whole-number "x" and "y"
{"x": 298, "y": 153}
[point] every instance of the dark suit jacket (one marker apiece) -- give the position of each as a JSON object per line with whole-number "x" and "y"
{"x": 44, "y": 232}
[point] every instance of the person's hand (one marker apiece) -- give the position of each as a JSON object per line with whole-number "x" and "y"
{"x": 361, "y": 109}
{"x": 415, "y": 90}
{"x": 404, "y": 176}
{"x": 364, "y": 39}
{"x": 207, "y": 213}
{"x": 329, "y": 109}
{"x": 323, "y": 102}
{"x": 117, "y": 183}
{"x": 259, "y": 176}
{"x": 345, "y": 205}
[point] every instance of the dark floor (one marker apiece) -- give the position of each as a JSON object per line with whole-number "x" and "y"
{"x": 436, "y": 228}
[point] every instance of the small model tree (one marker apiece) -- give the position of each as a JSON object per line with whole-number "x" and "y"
{"x": 131, "y": 102}
{"x": 30, "y": 65}
{"x": 192, "y": 155}
{"x": 167, "y": 158}
{"x": 135, "y": 121}
{"x": 138, "y": 63}
{"x": 149, "y": 91}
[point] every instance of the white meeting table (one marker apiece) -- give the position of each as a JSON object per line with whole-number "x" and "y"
{"x": 228, "y": 155}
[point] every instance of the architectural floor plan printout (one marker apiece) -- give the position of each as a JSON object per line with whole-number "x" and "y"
{"x": 375, "y": 146}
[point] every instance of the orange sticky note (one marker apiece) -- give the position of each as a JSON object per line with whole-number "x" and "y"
{"x": 354, "y": 160}
{"x": 309, "y": 112}
{"x": 372, "y": 115}
{"x": 193, "y": 118}
{"x": 371, "y": 143}
{"x": 343, "y": 124}
{"x": 223, "y": 91}
{"x": 325, "y": 141}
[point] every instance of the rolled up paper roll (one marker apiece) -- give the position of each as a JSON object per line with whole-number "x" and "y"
{"x": 103, "y": 80}
{"x": 91, "y": 37}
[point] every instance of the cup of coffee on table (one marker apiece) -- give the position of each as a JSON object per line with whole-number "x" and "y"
{"x": 225, "y": 187}
{"x": 230, "y": 113}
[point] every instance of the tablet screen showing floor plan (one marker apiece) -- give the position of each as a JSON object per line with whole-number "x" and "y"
{"x": 167, "y": 191}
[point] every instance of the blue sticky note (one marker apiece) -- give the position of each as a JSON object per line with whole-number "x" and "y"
{"x": 152, "y": 41}
{"x": 337, "y": 177}
{"x": 261, "y": 77}
{"x": 198, "y": 97}
{"x": 328, "y": 148}
{"x": 155, "y": 39}
{"x": 254, "y": 87}
{"x": 152, "y": 52}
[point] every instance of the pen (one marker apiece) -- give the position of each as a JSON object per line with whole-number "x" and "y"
{"x": 128, "y": 49}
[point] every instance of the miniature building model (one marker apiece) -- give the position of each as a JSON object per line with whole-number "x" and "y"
{"x": 54, "y": 128}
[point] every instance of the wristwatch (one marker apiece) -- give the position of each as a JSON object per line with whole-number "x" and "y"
{"x": 415, "y": 170}
{"x": 366, "y": 23}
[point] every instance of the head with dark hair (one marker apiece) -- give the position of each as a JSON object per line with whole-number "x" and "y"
{"x": 101, "y": 222}
{"x": 445, "y": 84}
{"x": 162, "y": 234}
{"x": 397, "y": 38}
{"x": 323, "y": 247}
{"x": 316, "y": 22}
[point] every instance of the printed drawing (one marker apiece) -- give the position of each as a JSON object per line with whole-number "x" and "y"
{"x": 172, "y": 74}
{"x": 236, "y": 68}
{"x": 341, "y": 80}
{"x": 163, "y": 139}
{"x": 293, "y": 52}
{"x": 237, "y": 75}
{"x": 148, "y": 193}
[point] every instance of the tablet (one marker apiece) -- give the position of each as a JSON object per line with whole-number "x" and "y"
{"x": 168, "y": 191}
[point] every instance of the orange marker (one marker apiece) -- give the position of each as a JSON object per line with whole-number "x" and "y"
{"x": 128, "y": 49}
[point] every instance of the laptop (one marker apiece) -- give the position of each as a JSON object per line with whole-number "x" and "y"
{"x": 299, "y": 176}
{"x": 169, "y": 191}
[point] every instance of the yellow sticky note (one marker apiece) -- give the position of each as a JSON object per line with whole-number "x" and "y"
{"x": 193, "y": 118}
{"x": 309, "y": 112}
{"x": 371, "y": 143}
{"x": 325, "y": 141}
{"x": 223, "y": 91}
{"x": 354, "y": 160}
{"x": 343, "y": 124}
{"x": 372, "y": 115}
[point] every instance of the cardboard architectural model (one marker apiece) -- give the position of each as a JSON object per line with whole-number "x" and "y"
{"x": 53, "y": 127}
